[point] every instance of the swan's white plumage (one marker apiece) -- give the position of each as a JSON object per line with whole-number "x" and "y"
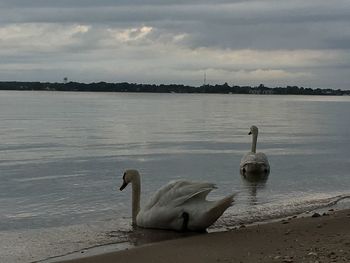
{"x": 178, "y": 192}
{"x": 254, "y": 158}
{"x": 166, "y": 207}
{"x": 252, "y": 161}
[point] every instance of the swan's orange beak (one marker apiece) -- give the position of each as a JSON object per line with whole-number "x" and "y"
{"x": 123, "y": 186}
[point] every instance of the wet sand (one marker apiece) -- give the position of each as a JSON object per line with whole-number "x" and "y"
{"x": 323, "y": 238}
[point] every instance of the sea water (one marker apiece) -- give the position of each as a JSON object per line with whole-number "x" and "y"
{"x": 62, "y": 156}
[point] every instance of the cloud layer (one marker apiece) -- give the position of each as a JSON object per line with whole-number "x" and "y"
{"x": 275, "y": 42}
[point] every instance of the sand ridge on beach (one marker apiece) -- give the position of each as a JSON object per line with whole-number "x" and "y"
{"x": 319, "y": 238}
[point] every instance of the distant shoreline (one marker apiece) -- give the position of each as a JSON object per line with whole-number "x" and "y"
{"x": 168, "y": 88}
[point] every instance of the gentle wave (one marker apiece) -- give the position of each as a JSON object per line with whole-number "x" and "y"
{"x": 279, "y": 209}
{"x": 47, "y": 177}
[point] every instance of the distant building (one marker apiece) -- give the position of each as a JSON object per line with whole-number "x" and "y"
{"x": 264, "y": 91}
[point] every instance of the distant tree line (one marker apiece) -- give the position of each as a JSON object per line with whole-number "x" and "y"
{"x": 169, "y": 88}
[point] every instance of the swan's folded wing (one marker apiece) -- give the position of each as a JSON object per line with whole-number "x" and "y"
{"x": 248, "y": 158}
{"x": 253, "y": 158}
{"x": 261, "y": 158}
{"x": 176, "y": 193}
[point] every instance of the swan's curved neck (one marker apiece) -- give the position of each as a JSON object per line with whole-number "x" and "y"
{"x": 136, "y": 192}
{"x": 255, "y": 138}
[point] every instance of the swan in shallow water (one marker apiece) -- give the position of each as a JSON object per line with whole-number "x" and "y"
{"x": 179, "y": 205}
{"x": 253, "y": 162}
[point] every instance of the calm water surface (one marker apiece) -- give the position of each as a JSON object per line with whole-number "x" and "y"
{"x": 62, "y": 156}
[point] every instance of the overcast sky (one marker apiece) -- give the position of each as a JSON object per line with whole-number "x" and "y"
{"x": 274, "y": 42}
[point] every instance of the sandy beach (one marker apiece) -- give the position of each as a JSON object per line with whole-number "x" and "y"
{"x": 313, "y": 238}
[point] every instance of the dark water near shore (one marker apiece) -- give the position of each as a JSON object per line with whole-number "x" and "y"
{"x": 62, "y": 156}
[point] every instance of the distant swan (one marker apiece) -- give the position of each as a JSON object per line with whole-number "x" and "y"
{"x": 254, "y": 162}
{"x": 179, "y": 205}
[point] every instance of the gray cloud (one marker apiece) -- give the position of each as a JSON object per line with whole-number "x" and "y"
{"x": 248, "y": 24}
{"x": 290, "y": 41}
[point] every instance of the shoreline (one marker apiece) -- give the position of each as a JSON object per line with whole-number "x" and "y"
{"x": 324, "y": 238}
{"x": 167, "y": 88}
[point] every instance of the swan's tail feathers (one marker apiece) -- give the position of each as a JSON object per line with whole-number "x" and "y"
{"x": 225, "y": 202}
{"x": 206, "y": 216}
{"x": 219, "y": 208}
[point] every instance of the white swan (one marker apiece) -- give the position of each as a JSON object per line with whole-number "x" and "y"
{"x": 254, "y": 162}
{"x": 178, "y": 205}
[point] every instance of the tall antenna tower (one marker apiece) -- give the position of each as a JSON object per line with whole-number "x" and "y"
{"x": 205, "y": 79}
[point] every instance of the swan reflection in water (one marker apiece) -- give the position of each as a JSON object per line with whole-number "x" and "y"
{"x": 254, "y": 181}
{"x": 141, "y": 236}
{"x": 136, "y": 236}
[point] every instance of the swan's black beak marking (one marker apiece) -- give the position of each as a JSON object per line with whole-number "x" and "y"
{"x": 250, "y": 133}
{"x": 124, "y": 183}
{"x": 123, "y": 186}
